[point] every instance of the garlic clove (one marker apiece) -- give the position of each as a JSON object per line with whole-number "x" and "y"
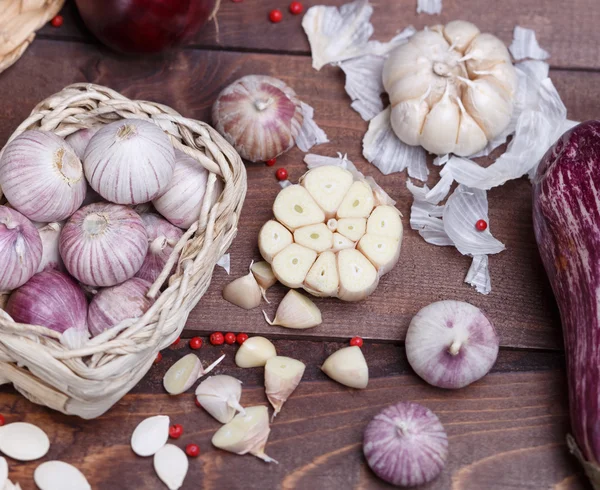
{"x": 407, "y": 120}
{"x": 294, "y": 207}
{"x": 382, "y": 251}
{"x": 243, "y": 292}
{"x": 255, "y": 352}
{"x": 485, "y": 51}
{"x": 358, "y": 201}
{"x": 246, "y": 433}
{"x": 282, "y": 376}
{"x": 460, "y": 33}
{"x": 358, "y": 277}
{"x": 150, "y": 435}
{"x": 171, "y": 466}
{"x": 272, "y": 239}
{"x": 489, "y": 105}
{"x": 328, "y": 185}
{"x": 291, "y": 265}
{"x": 352, "y": 228}
{"x": 316, "y": 237}
{"x": 23, "y": 441}
{"x": 385, "y": 221}
{"x": 57, "y": 475}
{"x": 296, "y": 311}
{"x": 3, "y": 472}
{"x": 348, "y": 367}
{"x": 185, "y": 372}
{"x": 322, "y": 278}
{"x": 441, "y": 126}
{"x": 471, "y": 138}
{"x": 404, "y": 60}
{"x": 340, "y": 242}
{"x": 263, "y": 273}
{"x": 220, "y": 397}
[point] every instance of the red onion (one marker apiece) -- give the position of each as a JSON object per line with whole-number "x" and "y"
{"x": 50, "y": 234}
{"x": 80, "y": 139}
{"x": 113, "y": 305}
{"x": 20, "y": 249}
{"x": 162, "y": 237}
{"x": 42, "y": 177}
{"x": 103, "y": 244}
{"x": 53, "y": 300}
{"x": 406, "y": 445}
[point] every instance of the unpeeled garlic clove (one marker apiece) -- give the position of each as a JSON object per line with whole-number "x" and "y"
{"x": 348, "y": 367}
{"x": 296, "y": 311}
{"x": 185, "y": 372}
{"x": 246, "y": 433}
{"x": 282, "y": 376}
{"x": 255, "y": 352}
{"x": 150, "y": 435}
{"x": 220, "y": 397}
{"x": 243, "y": 292}
{"x": 171, "y": 466}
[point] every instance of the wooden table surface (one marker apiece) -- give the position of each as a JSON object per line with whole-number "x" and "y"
{"x": 506, "y": 431}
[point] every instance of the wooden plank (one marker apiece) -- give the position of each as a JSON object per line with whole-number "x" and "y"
{"x": 520, "y": 304}
{"x": 568, "y": 30}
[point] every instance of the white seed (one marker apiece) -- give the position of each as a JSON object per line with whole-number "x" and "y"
{"x": 185, "y": 372}
{"x": 296, "y": 311}
{"x": 316, "y": 237}
{"x": 382, "y": 251}
{"x": 272, "y": 239}
{"x": 348, "y": 367}
{"x": 23, "y": 441}
{"x": 255, "y": 352}
{"x": 220, "y": 396}
{"x": 328, "y": 185}
{"x": 3, "y": 472}
{"x": 358, "y": 277}
{"x": 352, "y": 228}
{"x": 291, "y": 265}
{"x": 282, "y": 376}
{"x": 323, "y": 279}
{"x": 263, "y": 274}
{"x": 340, "y": 242}
{"x": 57, "y": 475}
{"x": 150, "y": 435}
{"x": 358, "y": 201}
{"x": 385, "y": 221}
{"x": 171, "y": 466}
{"x": 243, "y": 292}
{"x": 294, "y": 207}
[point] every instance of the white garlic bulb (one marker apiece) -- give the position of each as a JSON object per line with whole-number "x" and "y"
{"x": 451, "y": 88}
{"x": 129, "y": 161}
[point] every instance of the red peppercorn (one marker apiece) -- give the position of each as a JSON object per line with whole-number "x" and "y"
{"x": 57, "y": 21}
{"x": 275, "y": 16}
{"x": 230, "y": 338}
{"x": 217, "y": 338}
{"x": 158, "y": 358}
{"x": 241, "y": 338}
{"x": 192, "y": 450}
{"x": 197, "y": 403}
{"x": 175, "y": 431}
{"x": 2, "y": 420}
{"x": 481, "y": 225}
{"x": 195, "y": 343}
{"x": 176, "y": 341}
{"x": 296, "y": 8}
{"x": 356, "y": 341}
{"x": 271, "y": 162}
{"x": 281, "y": 174}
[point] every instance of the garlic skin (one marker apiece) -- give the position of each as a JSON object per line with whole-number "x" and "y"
{"x": 296, "y": 311}
{"x": 129, "y": 161}
{"x": 255, "y": 352}
{"x": 220, "y": 397}
{"x": 243, "y": 292}
{"x": 282, "y": 376}
{"x": 260, "y": 116}
{"x": 347, "y": 366}
{"x": 246, "y": 433}
{"x": 451, "y": 89}
{"x": 42, "y": 177}
{"x": 80, "y": 139}
{"x": 51, "y": 259}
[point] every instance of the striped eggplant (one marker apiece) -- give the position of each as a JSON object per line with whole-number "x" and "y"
{"x": 566, "y": 218}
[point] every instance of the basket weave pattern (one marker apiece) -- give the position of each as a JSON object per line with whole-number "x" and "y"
{"x": 88, "y": 381}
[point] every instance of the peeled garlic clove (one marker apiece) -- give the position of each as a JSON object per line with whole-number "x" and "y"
{"x": 323, "y": 278}
{"x": 489, "y": 105}
{"x": 340, "y": 242}
{"x": 171, "y": 466}
{"x": 358, "y": 201}
{"x": 385, "y": 221}
{"x": 347, "y": 366}
{"x": 246, "y": 433}
{"x": 294, "y": 207}
{"x": 316, "y": 237}
{"x": 382, "y": 251}
{"x": 57, "y": 475}
{"x": 352, "y": 228}
{"x": 185, "y": 372}
{"x": 328, "y": 185}
{"x": 358, "y": 277}
{"x": 282, "y": 376}
{"x": 296, "y": 311}
{"x": 23, "y": 441}
{"x": 150, "y": 435}
{"x": 3, "y": 472}
{"x": 291, "y": 265}
{"x": 272, "y": 239}
{"x": 460, "y": 33}
{"x": 243, "y": 292}
{"x": 255, "y": 352}
{"x": 441, "y": 126}
{"x": 263, "y": 273}
{"x": 220, "y": 396}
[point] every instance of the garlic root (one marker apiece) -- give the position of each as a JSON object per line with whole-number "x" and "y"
{"x": 296, "y": 311}
{"x": 282, "y": 376}
{"x": 347, "y": 366}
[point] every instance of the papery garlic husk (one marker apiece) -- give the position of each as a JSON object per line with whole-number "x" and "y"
{"x": 20, "y": 249}
{"x": 348, "y": 367}
{"x": 260, "y": 116}
{"x": 41, "y": 176}
{"x": 247, "y": 433}
{"x": 80, "y": 139}
{"x": 51, "y": 259}
{"x": 282, "y": 376}
{"x": 129, "y": 161}
{"x": 255, "y": 352}
{"x": 296, "y": 311}
{"x": 185, "y": 372}
{"x": 243, "y": 292}
{"x": 220, "y": 396}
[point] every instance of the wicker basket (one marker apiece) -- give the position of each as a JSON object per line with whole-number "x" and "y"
{"x": 88, "y": 381}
